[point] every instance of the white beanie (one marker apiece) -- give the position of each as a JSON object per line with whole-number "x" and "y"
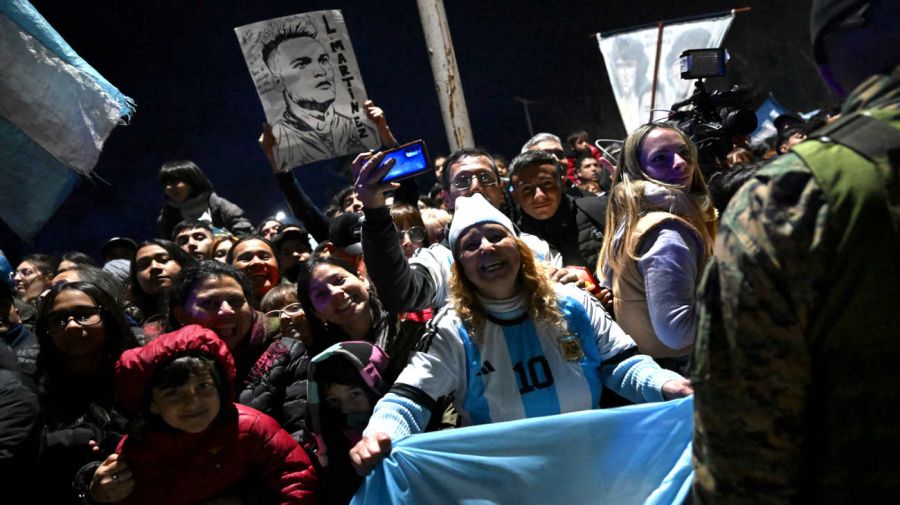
{"x": 472, "y": 210}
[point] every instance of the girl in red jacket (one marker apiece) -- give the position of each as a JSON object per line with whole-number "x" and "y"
{"x": 188, "y": 441}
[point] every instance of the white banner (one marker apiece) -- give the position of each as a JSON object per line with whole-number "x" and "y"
{"x": 310, "y": 86}
{"x": 630, "y": 58}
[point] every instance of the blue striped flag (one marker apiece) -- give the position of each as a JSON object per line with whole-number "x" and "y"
{"x": 639, "y": 454}
{"x": 56, "y": 112}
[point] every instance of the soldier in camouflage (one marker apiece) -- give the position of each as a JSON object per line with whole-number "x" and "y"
{"x": 797, "y": 393}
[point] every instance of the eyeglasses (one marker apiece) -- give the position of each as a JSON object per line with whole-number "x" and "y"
{"x": 555, "y": 152}
{"x": 416, "y": 234}
{"x": 273, "y": 317}
{"x": 464, "y": 181}
{"x": 25, "y": 272}
{"x": 294, "y": 309}
{"x": 87, "y": 316}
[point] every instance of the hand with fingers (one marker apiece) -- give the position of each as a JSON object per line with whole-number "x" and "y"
{"x": 565, "y": 276}
{"x": 369, "y": 451}
{"x": 368, "y": 186}
{"x": 376, "y": 115}
{"x": 268, "y": 143}
{"x": 112, "y": 481}
{"x": 677, "y": 388}
{"x": 606, "y": 299}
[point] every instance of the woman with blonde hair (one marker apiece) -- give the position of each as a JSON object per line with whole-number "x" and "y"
{"x": 664, "y": 224}
{"x": 512, "y": 344}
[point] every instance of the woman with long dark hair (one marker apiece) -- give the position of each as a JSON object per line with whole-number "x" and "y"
{"x": 154, "y": 270}
{"x": 81, "y": 332}
{"x": 340, "y": 305}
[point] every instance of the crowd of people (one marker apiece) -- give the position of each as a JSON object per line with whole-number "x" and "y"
{"x": 285, "y": 358}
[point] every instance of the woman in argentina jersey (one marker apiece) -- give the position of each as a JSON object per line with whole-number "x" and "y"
{"x": 511, "y": 345}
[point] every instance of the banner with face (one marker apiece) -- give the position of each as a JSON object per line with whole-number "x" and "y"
{"x": 310, "y": 86}
{"x": 630, "y": 57}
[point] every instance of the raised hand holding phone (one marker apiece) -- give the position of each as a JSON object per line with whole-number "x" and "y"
{"x": 369, "y": 187}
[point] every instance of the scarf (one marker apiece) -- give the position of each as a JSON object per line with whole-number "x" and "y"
{"x": 194, "y": 208}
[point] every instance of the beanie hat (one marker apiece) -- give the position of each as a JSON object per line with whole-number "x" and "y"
{"x": 119, "y": 268}
{"x": 472, "y": 210}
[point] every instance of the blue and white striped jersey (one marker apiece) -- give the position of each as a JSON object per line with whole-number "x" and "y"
{"x": 518, "y": 369}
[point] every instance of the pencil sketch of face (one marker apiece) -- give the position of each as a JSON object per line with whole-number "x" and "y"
{"x": 302, "y": 67}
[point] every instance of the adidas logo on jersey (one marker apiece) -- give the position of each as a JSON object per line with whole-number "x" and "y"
{"x": 486, "y": 369}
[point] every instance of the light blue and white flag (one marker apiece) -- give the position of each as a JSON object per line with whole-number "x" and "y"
{"x": 638, "y": 454}
{"x": 56, "y": 112}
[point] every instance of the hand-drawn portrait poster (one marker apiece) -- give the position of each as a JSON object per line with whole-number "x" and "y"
{"x": 310, "y": 86}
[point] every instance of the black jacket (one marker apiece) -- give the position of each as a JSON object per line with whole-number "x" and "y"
{"x": 224, "y": 215}
{"x": 18, "y": 421}
{"x": 576, "y": 230}
{"x": 276, "y": 385}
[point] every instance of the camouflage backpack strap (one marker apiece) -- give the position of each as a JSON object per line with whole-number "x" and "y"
{"x": 868, "y": 138}
{"x": 871, "y": 137}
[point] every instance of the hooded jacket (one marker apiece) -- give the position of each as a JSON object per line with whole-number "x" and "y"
{"x": 333, "y": 433}
{"x": 176, "y": 467}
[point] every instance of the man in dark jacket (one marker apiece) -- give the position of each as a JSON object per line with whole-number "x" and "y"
{"x": 572, "y": 226}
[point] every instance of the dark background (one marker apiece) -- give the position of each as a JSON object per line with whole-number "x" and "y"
{"x": 181, "y": 62}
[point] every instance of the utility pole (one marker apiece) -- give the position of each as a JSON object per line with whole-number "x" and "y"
{"x": 446, "y": 74}
{"x": 525, "y": 103}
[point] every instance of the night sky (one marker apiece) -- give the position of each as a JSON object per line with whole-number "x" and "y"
{"x": 181, "y": 62}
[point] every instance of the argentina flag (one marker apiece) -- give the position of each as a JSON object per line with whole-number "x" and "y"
{"x": 639, "y": 454}
{"x": 56, "y": 112}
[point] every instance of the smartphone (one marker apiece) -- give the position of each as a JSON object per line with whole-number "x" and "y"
{"x": 410, "y": 160}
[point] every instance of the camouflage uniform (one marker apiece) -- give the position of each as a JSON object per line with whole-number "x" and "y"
{"x": 797, "y": 392}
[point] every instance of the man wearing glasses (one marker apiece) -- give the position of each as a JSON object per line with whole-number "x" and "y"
{"x": 423, "y": 281}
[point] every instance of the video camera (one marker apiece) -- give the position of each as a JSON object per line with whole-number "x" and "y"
{"x": 714, "y": 121}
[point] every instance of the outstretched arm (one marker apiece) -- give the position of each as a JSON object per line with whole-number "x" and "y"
{"x": 301, "y": 205}
{"x": 376, "y": 115}
{"x": 400, "y": 287}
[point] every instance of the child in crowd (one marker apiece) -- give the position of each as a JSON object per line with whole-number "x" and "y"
{"x": 190, "y": 196}
{"x": 345, "y": 382}
{"x": 188, "y": 441}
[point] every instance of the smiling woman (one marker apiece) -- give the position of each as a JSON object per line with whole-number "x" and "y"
{"x": 81, "y": 332}
{"x": 513, "y": 345}
{"x": 342, "y": 306}
{"x": 255, "y": 257}
{"x": 665, "y": 227}
{"x": 271, "y": 373}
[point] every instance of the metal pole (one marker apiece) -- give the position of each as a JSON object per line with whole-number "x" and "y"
{"x": 446, "y": 74}
{"x": 525, "y": 103}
